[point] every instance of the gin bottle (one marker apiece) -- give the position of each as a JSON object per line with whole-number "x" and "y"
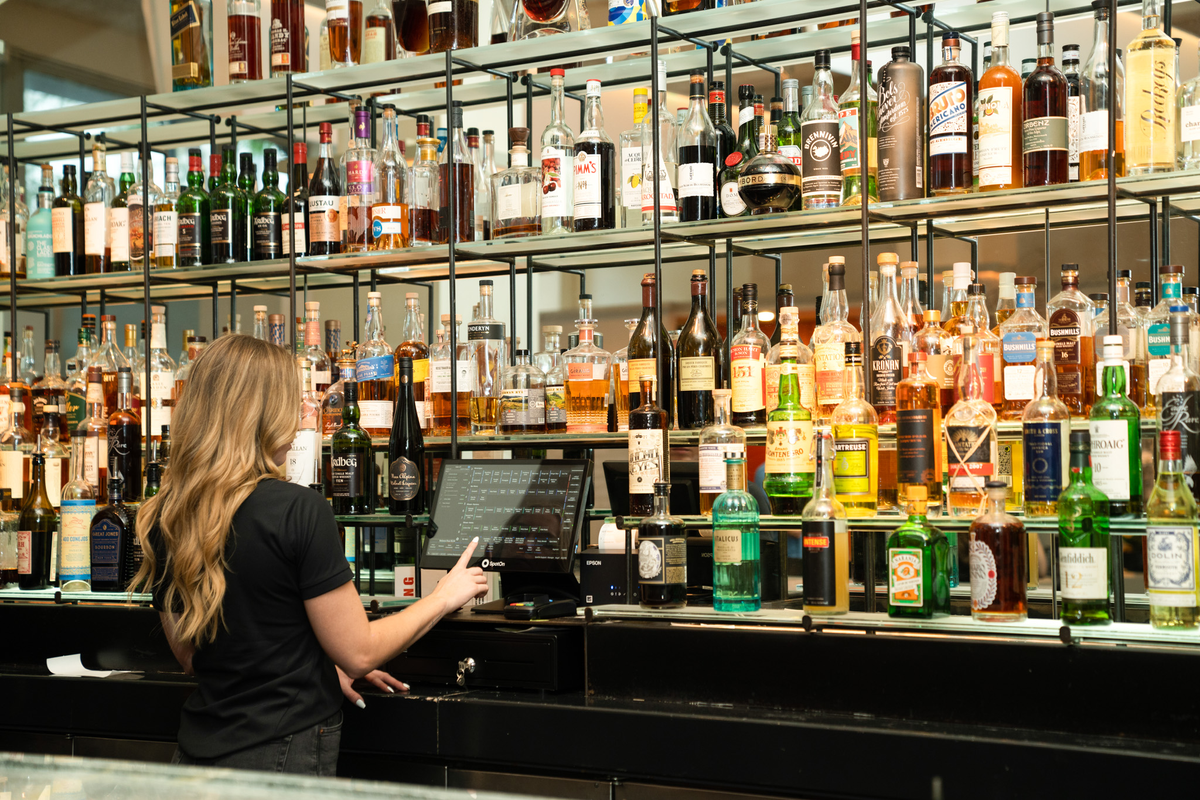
{"x": 1044, "y": 428}
{"x": 1083, "y": 541}
{"x": 918, "y": 558}
{"x": 821, "y": 181}
{"x": 737, "y": 579}
{"x": 718, "y": 443}
{"x": 1171, "y": 541}
{"x": 826, "y": 540}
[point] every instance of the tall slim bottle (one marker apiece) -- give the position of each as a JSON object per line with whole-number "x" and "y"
{"x": 1179, "y": 407}
{"x": 97, "y": 205}
{"x": 1099, "y": 94}
{"x": 389, "y": 209}
{"x": 78, "y": 507}
{"x": 406, "y": 447}
{"x": 631, "y": 162}
{"x": 1000, "y": 128}
{"x": 849, "y": 105}
{"x": 644, "y": 356}
{"x": 456, "y": 157}
{"x": 1045, "y": 425}
{"x": 856, "y": 442}
{"x": 125, "y": 439}
{"x": 790, "y": 465}
{"x": 558, "y": 164}
{"x": 698, "y": 164}
{"x": 821, "y": 169}
{"x": 737, "y": 579}
{"x": 166, "y": 220}
{"x": 699, "y": 355}
{"x": 486, "y": 356}
{"x": 826, "y": 540}
{"x": 901, "y": 132}
{"x": 1171, "y": 539}
{"x": 36, "y": 531}
{"x": 667, "y": 202}
{"x": 1150, "y": 96}
{"x": 595, "y": 168}
{"x": 1045, "y": 150}
{"x": 649, "y": 453}
{"x": 951, "y": 125}
{"x": 891, "y": 339}
{"x": 67, "y": 227}
{"x": 829, "y": 339}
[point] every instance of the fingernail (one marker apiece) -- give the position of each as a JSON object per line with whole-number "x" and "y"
{"x": 359, "y": 702}
{"x": 390, "y": 689}
{"x": 406, "y": 686}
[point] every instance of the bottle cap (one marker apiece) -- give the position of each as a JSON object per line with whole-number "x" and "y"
{"x": 1098, "y": 297}
{"x": 821, "y": 59}
{"x": 901, "y": 53}
{"x": 1081, "y": 438}
{"x": 933, "y": 315}
{"x": 917, "y": 357}
{"x": 557, "y": 72}
{"x": 976, "y": 290}
{"x": 1167, "y": 269}
{"x": 1168, "y": 445}
{"x": 1179, "y": 328}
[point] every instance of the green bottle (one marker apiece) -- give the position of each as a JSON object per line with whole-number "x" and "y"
{"x": 192, "y": 210}
{"x": 1083, "y": 573}
{"x": 1116, "y": 437}
{"x": 351, "y": 466}
{"x": 790, "y": 462}
{"x": 918, "y": 558}
{"x": 269, "y": 205}
{"x": 737, "y": 568}
{"x": 227, "y": 215}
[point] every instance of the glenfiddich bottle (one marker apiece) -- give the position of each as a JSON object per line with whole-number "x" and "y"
{"x": 648, "y": 451}
{"x": 770, "y": 183}
{"x": 406, "y": 448}
{"x": 662, "y": 554}
{"x": 1083, "y": 540}
{"x": 698, "y": 363}
{"x": 826, "y": 540}
{"x": 901, "y": 134}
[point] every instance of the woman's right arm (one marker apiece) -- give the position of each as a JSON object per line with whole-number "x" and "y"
{"x": 359, "y": 646}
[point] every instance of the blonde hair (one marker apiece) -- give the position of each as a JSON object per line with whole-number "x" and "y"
{"x": 240, "y": 405}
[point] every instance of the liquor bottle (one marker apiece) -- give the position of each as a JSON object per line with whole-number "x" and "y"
{"x": 375, "y": 372}
{"x": 1019, "y": 334}
{"x": 351, "y": 467}
{"x": 1045, "y": 153}
{"x": 93, "y": 430}
{"x": 667, "y": 204}
{"x": 455, "y": 157}
{"x": 453, "y": 25}
{"x": 67, "y": 227}
{"x": 970, "y": 437}
{"x": 737, "y": 578}
{"x": 631, "y": 162}
{"x": 19, "y": 219}
{"x": 125, "y": 439}
{"x": 1157, "y": 325}
{"x": 1070, "y": 71}
{"x": 522, "y": 407}
{"x": 517, "y": 192}
{"x": 296, "y": 203}
{"x": 1100, "y": 93}
{"x": 379, "y": 35}
{"x": 305, "y": 454}
{"x": 891, "y": 338}
{"x": 789, "y": 456}
{"x": 595, "y": 167}
{"x": 699, "y": 360}
{"x": 324, "y": 193}
{"x": 486, "y": 354}
{"x": 39, "y": 232}
{"x": 919, "y": 417}
{"x": 558, "y": 163}
{"x": 662, "y": 553}
{"x": 999, "y": 562}
{"x": 950, "y": 124}
{"x": 821, "y": 185}
{"x": 413, "y": 347}
{"x": 110, "y": 358}
{"x": 918, "y": 564}
{"x": 1083, "y": 541}
{"x": 192, "y": 211}
{"x": 901, "y": 135}
{"x": 1045, "y": 426}
{"x": 619, "y": 379}
{"x": 17, "y": 444}
{"x": 1150, "y": 97}
{"x": 360, "y": 185}
{"x": 406, "y": 447}
{"x": 389, "y": 208}
{"x": 851, "y": 148}
{"x": 1171, "y": 540}
{"x": 911, "y": 293}
{"x": 732, "y": 204}
{"x": 788, "y": 137}
{"x": 727, "y": 138}
{"x": 443, "y": 359}
{"x": 97, "y": 203}
{"x": 78, "y": 508}
{"x": 719, "y": 442}
{"x": 141, "y": 235}
{"x": 50, "y": 387}
{"x": 748, "y": 359}
{"x": 1006, "y": 299}
{"x": 1179, "y": 400}
{"x": 485, "y": 168}
{"x": 829, "y": 341}
{"x": 1000, "y": 115}
{"x": 1114, "y": 426}
{"x": 425, "y": 200}
{"x": 1071, "y": 315}
{"x": 269, "y": 206}
{"x": 37, "y": 529}
{"x": 698, "y": 165}
{"x": 111, "y": 532}
{"x": 337, "y": 19}
{"x": 191, "y": 44}
{"x": 214, "y": 174}
{"x": 856, "y": 442}
{"x": 648, "y": 451}
{"x": 770, "y": 183}
{"x": 166, "y": 220}
{"x": 412, "y": 26}
{"x": 587, "y": 381}
{"x": 226, "y": 222}
{"x": 825, "y": 540}
{"x": 313, "y": 354}
{"x": 288, "y": 37}
{"x": 644, "y": 355}
{"x": 245, "y": 41}
{"x": 50, "y": 447}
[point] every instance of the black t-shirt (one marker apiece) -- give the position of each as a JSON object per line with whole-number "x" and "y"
{"x": 266, "y": 676}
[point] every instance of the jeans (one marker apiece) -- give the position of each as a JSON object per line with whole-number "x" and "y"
{"x": 312, "y": 751}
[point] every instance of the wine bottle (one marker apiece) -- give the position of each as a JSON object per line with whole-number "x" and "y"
{"x": 698, "y": 362}
{"x": 697, "y": 157}
{"x": 406, "y": 448}
{"x": 36, "y": 530}
{"x": 644, "y": 355}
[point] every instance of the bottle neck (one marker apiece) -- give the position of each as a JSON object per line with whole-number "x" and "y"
{"x": 374, "y": 325}
{"x": 1045, "y": 53}
{"x": 852, "y": 382}
{"x": 1100, "y": 40}
{"x": 1122, "y": 291}
{"x": 749, "y": 315}
{"x": 823, "y": 486}
{"x": 662, "y": 505}
{"x": 412, "y": 323}
{"x": 970, "y": 386}
{"x": 1047, "y": 375}
{"x": 1081, "y": 464}
{"x": 1000, "y": 51}
{"x": 556, "y": 101}
{"x": 721, "y": 408}
{"x": 1151, "y": 14}
{"x": 735, "y": 475}
{"x": 1179, "y": 354}
{"x": 593, "y": 115}
{"x": 51, "y": 366}
{"x": 835, "y": 307}
{"x": 485, "y": 306}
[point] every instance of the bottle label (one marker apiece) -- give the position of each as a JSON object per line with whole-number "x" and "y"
{"x": 852, "y": 467}
{"x": 712, "y": 465}
{"x": 646, "y": 460}
{"x": 662, "y": 560}
{"x": 697, "y": 374}
{"x": 404, "y": 479}
{"x": 523, "y": 407}
{"x": 995, "y": 136}
{"x": 731, "y": 199}
{"x": 12, "y": 464}
{"x": 1110, "y": 457}
{"x": 347, "y": 471}
{"x": 821, "y": 159}
{"x": 24, "y": 552}
{"x": 62, "y": 230}
{"x": 727, "y": 546}
{"x": 220, "y": 226}
{"x": 747, "y": 378}
{"x": 53, "y": 473}
{"x": 1150, "y": 108}
{"x": 588, "y": 183}
{"x": 631, "y": 177}
{"x": 440, "y": 7}
{"x": 1189, "y": 123}
{"x": 1045, "y": 134}
{"x": 886, "y": 357}
{"x": 1093, "y": 130}
{"x": 1046, "y": 449}
{"x": 830, "y": 360}
{"x": 1073, "y": 109}
{"x": 386, "y": 220}
{"x": 985, "y": 573}
{"x": 557, "y": 167}
{"x": 373, "y": 46}
{"x": 916, "y": 459}
{"x": 323, "y": 218}
{"x": 137, "y": 237}
{"x": 639, "y": 368}
{"x": 585, "y": 371}
{"x": 1171, "y": 573}
{"x": 440, "y": 376}
{"x": 806, "y": 377}
{"x": 301, "y": 459}
{"x": 268, "y": 233}
{"x": 820, "y": 541}
{"x": 906, "y": 577}
{"x": 95, "y": 229}
{"x": 1181, "y": 412}
{"x": 376, "y": 368}
{"x": 1083, "y": 573}
{"x": 848, "y": 140}
{"x": 949, "y": 105}
{"x": 106, "y": 548}
{"x": 75, "y": 555}
{"x": 360, "y": 178}
{"x": 666, "y": 190}
{"x": 189, "y": 235}
{"x": 95, "y": 453}
{"x": 623, "y": 11}
{"x": 300, "y": 237}
{"x": 793, "y": 153}
{"x": 1158, "y": 341}
{"x": 478, "y": 331}
{"x": 1065, "y": 330}
{"x": 696, "y": 180}
{"x": 508, "y": 202}
{"x": 790, "y": 448}
{"x": 971, "y": 458}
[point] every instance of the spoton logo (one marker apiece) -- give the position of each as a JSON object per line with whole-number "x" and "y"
{"x": 490, "y": 563}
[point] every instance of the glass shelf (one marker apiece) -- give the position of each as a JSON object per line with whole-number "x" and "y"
{"x": 889, "y": 522}
{"x": 383, "y": 518}
{"x": 58, "y": 596}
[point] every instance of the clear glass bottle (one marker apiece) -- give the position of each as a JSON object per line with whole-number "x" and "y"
{"x": 97, "y": 202}
{"x": 587, "y": 368}
{"x": 558, "y": 163}
{"x": 1171, "y": 539}
{"x": 910, "y": 299}
{"x": 1099, "y": 93}
{"x": 789, "y": 469}
{"x": 75, "y": 519}
{"x": 718, "y": 443}
{"x": 1157, "y": 324}
{"x": 698, "y": 165}
{"x": 1018, "y": 335}
{"x": 141, "y": 238}
{"x": 999, "y": 124}
{"x": 999, "y": 561}
{"x": 455, "y": 156}
{"x": 1150, "y": 89}
{"x": 1070, "y": 315}
{"x": 737, "y": 579}
{"x": 826, "y": 540}
{"x": 851, "y": 150}
{"x": 805, "y": 366}
{"x": 856, "y": 442}
{"x": 517, "y": 192}
{"x": 486, "y": 354}
{"x": 1044, "y": 429}
{"x": 1116, "y": 437}
{"x": 991, "y": 371}
{"x": 390, "y": 223}
{"x": 360, "y": 185}
{"x": 485, "y": 168}
{"x": 918, "y": 564}
{"x": 970, "y": 437}
{"x": 375, "y": 373}
{"x": 551, "y": 352}
{"x": 522, "y": 406}
{"x": 166, "y": 228}
{"x": 829, "y": 340}
{"x": 17, "y": 444}
{"x": 21, "y": 224}
{"x": 425, "y": 199}
{"x": 595, "y": 169}
{"x": 667, "y": 204}
{"x": 1179, "y": 400}
{"x": 630, "y": 143}
{"x": 747, "y": 363}
{"x": 49, "y": 445}
{"x": 821, "y": 185}
{"x": 443, "y": 359}
{"x": 619, "y": 374}
{"x": 891, "y": 339}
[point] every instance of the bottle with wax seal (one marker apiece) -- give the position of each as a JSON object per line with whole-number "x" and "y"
{"x": 517, "y": 192}
{"x": 770, "y": 183}
{"x": 595, "y": 205}
{"x": 662, "y": 553}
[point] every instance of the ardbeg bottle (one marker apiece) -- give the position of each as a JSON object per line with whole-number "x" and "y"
{"x": 350, "y": 455}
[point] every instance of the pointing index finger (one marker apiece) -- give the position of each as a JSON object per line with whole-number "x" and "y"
{"x": 466, "y": 556}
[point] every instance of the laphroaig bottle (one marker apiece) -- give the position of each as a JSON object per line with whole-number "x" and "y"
{"x": 1116, "y": 437}
{"x": 1083, "y": 541}
{"x": 737, "y": 579}
{"x": 901, "y": 134}
{"x": 826, "y": 540}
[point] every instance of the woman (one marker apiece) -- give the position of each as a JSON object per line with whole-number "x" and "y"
{"x": 250, "y": 578}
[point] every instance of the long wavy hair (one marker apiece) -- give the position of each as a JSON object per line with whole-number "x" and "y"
{"x": 240, "y": 405}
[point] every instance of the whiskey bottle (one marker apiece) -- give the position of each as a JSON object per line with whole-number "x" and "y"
{"x": 1083, "y": 541}
{"x": 951, "y": 129}
{"x": 999, "y": 562}
{"x": 970, "y": 437}
{"x": 699, "y": 359}
{"x": 558, "y": 163}
{"x": 67, "y": 230}
{"x": 1000, "y": 109}
{"x": 719, "y": 442}
{"x": 662, "y": 554}
{"x": 97, "y": 204}
{"x": 1071, "y": 314}
{"x": 51, "y": 449}
{"x": 732, "y": 204}
{"x": 737, "y": 578}
{"x": 191, "y": 44}
{"x": 517, "y": 192}
{"x": 821, "y": 181}
{"x": 826, "y": 540}
{"x": 112, "y": 534}
{"x": 442, "y": 359}
{"x": 94, "y": 432}
{"x": 644, "y": 356}
{"x": 406, "y": 447}
{"x": 522, "y": 406}
{"x": 413, "y": 346}
{"x": 901, "y": 134}
{"x": 849, "y": 108}
{"x": 379, "y": 35}
{"x": 245, "y": 41}
{"x": 1179, "y": 395}
{"x": 486, "y": 355}
{"x": 856, "y": 442}
{"x": 1045, "y": 152}
{"x": 453, "y": 25}
{"x": 587, "y": 372}
{"x": 789, "y": 456}
{"x": 313, "y": 352}
{"x": 125, "y": 439}
{"x": 595, "y": 168}
{"x": 918, "y": 564}
{"x": 268, "y": 212}
{"x": 1070, "y": 71}
{"x": 1171, "y": 540}
{"x": 389, "y": 208}
{"x": 667, "y": 203}
{"x": 227, "y": 223}
{"x": 288, "y": 38}
{"x": 940, "y": 363}
{"x": 78, "y": 508}
{"x": 829, "y": 340}
{"x": 697, "y": 157}
{"x": 1019, "y": 334}
{"x": 304, "y": 457}
{"x": 192, "y": 212}
{"x": 425, "y": 199}
{"x": 648, "y": 451}
{"x": 375, "y": 373}
{"x": 1045, "y": 425}
{"x": 351, "y": 471}
{"x": 456, "y": 157}
{"x": 166, "y": 220}
{"x": 37, "y": 529}
{"x": 1150, "y": 89}
{"x": 1116, "y": 437}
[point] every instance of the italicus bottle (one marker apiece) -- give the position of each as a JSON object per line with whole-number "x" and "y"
{"x": 737, "y": 579}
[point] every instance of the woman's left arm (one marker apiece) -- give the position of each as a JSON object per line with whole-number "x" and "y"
{"x": 183, "y": 652}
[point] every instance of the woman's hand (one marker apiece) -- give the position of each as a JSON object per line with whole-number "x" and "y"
{"x": 378, "y": 678}
{"x": 461, "y": 584}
